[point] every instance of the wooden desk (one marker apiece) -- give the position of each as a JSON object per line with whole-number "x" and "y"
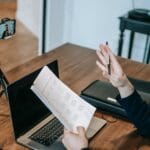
{"x": 77, "y": 69}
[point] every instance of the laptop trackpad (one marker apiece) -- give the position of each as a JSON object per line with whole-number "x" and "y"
{"x": 96, "y": 125}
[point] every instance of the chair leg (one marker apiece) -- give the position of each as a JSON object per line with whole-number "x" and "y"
{"x": 148, "y": 56}
{"x": 120, "y": 43}
{"x": 146, "y": 49}
{"x": 131, "y": 44}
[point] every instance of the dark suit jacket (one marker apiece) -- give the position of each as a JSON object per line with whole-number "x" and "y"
{"x": 138, "y": 112}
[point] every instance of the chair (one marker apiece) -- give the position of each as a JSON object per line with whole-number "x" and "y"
{"x": 134, "y": 24}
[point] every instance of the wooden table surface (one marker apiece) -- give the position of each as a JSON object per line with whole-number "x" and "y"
{"x": 77, "y": 69}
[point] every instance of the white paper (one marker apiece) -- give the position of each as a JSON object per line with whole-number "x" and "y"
{"x": 67, "y": 106}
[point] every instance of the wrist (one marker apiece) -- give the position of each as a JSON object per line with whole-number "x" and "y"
{"x": 119, "y": 81}
{"x": 126, "y": 89}
{"x": 123, "y": 81}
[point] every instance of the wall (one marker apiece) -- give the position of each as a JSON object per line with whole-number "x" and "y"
{"x": 94, "y": 22}
{"x": 55, "y": 24}
{"x": 82, "y": 22}
{"x": 29, "y": 13}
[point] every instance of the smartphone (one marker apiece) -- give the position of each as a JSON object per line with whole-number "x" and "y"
{"x": 7, "y": 28}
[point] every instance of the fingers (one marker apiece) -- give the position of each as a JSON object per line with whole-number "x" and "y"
{"x": 64, "y": 141}
{"x": 106, "y": 75}
{"x": 109, "y": 52}
{"x": 102, "y": 67}
{"x": 104, "y": 53}
{"x": 67, "y": 134}
{"x": 66, "y": 131}
{"x": 81, "y": 131}
{"x": 102, "y": 57}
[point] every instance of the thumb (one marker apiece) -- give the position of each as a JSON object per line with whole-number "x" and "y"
{"x": 81, "y": 131}
{"x": 66, "y": 131}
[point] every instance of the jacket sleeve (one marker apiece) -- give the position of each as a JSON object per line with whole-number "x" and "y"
{"x": 138, "y": 112}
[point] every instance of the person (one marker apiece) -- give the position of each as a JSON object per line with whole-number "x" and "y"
{"x": 137, "y": 110}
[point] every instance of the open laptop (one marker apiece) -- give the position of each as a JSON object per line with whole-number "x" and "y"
{"x": 34, "y": 125}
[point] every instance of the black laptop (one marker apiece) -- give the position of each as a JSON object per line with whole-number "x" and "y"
{"x": 34, "y": 125}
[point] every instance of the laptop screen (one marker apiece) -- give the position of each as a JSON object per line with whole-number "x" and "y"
{"x": 25, "y": 107}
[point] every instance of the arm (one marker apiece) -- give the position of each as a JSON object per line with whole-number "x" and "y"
{"x": 137, "y": 110}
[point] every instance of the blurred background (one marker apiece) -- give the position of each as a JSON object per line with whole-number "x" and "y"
{"x": 43, "y": 25}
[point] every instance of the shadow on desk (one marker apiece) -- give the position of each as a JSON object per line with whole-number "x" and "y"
{"x": 131, "y": 141}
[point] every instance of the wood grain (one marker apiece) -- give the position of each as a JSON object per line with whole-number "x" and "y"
{"x": 77, "y": 69}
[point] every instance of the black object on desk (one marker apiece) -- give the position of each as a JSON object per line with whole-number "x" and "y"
{"x": 3, "y": 83}
{"x": 137, "y": 20}
{"x": 102, "y": 95}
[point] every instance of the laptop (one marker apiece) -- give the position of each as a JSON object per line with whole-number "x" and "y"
{"x": 34, "y": 125}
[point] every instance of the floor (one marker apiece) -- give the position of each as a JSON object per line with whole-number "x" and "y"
{"x": 22, "y": 47}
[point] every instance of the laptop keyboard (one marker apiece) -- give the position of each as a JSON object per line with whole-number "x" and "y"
{"x": 49, "y": 133}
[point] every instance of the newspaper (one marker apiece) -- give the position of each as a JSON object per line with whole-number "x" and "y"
{"x": 67, "y": 106}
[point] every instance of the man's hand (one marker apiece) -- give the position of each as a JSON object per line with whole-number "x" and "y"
{"x": 74, "y": 141}
{"x": 117, "y": 77}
